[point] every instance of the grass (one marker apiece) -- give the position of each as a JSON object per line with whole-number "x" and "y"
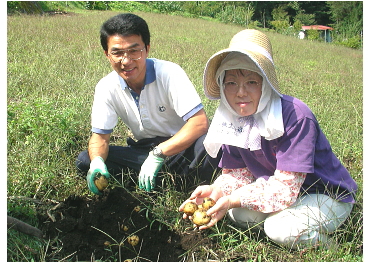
{"x": 54, "y": 63}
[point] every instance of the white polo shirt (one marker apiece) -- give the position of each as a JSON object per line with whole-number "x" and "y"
{"x": 167, "y": 100}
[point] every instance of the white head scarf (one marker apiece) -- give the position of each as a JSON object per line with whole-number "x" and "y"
{"x": 228, "y": 127}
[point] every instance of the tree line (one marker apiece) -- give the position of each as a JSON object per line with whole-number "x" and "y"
{"x": 285, "y": 17}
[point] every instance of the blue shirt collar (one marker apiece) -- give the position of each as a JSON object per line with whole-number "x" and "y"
{"x": 150, "y": 71}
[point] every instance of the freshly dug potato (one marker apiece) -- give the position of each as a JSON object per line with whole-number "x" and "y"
{"x": 101, "y": 183}
{"x": 208, "y": 203}
{"x": 190, "y": 208}
{"x": 200, "y": 217}
{"x": 133, "y": 240}
{"x": 107, "y": 243}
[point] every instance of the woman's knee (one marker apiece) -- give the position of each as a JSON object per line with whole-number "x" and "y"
{"x": 293, "y": 236}
{"x": 286, "y": 229}
{"x": 307, "y": 222}
{"x": 246, "y": 218}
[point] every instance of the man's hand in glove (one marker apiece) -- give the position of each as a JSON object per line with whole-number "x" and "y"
{"x": 97, "y": 168}
{"x": 148, "y": 172}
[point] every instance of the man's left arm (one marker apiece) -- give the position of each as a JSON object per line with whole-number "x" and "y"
{"x": 196, "y": 126}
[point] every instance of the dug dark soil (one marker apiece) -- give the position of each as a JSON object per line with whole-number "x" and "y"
{"x": 79, "y": 229}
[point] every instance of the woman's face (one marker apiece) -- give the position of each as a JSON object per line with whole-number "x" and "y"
{"x": 243, "y": 89}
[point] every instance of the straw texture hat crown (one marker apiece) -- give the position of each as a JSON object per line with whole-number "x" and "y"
{"x": 250, "y": 42}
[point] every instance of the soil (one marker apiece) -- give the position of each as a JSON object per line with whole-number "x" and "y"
{"x": 82, "y": 225}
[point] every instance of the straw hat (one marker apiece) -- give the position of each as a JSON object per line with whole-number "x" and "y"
{"x": 250, "y": 42}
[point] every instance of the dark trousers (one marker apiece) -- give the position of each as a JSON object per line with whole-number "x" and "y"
{"x": 187, "y": 169}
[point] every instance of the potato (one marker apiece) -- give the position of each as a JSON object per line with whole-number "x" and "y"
{"x": 107, "y": 243}
{"x": 190, "y": 208}
{"x": 133, "y": 240}
{"x": 101, "y": 183}
{"x": 200, "y": 217}
{"x": 208, "y": 203}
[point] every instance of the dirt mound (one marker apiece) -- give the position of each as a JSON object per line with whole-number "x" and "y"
{"x": 82, "y": 227}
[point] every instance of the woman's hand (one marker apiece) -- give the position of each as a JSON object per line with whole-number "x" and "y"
{"x": 200, "y": 193}
{"x": 218, "y": 211}
{"x": 220, "y": 208}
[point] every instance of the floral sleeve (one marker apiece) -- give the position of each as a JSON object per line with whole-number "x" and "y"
{"x": 267, "y": 196}
{"x": 232, "y": 179}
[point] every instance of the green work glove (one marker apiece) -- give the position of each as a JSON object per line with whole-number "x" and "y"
{"x": 148, "y": 172}
{"x": 97, "y": 168}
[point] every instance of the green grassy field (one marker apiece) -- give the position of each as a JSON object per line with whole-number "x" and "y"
{"x": 54, "y": 63}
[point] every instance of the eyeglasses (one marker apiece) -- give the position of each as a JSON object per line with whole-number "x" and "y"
{"x": 249, "y": 86}
{"x": 119, "y": 55}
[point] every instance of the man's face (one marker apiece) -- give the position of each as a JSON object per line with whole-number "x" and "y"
{"x": 132, "y": 71}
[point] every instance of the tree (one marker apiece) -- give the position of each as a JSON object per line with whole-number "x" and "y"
{"x": 347, "y": 15}
{"x": 348, "y": 22}
{"x": 305, "y": 19}
{"x": 319, "y": 9}
{"x": 236, "y": 12}
{"x": 280, "y": 19}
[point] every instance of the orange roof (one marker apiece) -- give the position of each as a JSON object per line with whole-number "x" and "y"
{"x": 316, "y": 27}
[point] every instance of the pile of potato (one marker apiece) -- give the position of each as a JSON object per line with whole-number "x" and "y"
{"x": 198, "y": 212}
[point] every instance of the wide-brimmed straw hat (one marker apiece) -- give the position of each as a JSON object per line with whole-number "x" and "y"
{"x": 250, "y": 42}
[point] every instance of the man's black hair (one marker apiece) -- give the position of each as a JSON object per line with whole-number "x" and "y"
{"x": 124, "y": 25}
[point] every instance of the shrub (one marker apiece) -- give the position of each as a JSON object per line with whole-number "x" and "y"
{"x": 352, "y": 42}
{"x": 313, "y": 34}
{"x": 280, "y": 25}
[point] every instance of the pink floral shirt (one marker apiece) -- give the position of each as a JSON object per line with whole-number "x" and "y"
{"x": 275, "y": 194}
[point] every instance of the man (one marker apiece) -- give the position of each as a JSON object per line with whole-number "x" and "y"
{"x": 158, "y": 103}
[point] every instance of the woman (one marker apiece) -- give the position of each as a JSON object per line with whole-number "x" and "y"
{"x": 278, "y": 167}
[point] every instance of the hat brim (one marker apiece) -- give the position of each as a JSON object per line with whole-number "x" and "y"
{"x": 211, "y": 87}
